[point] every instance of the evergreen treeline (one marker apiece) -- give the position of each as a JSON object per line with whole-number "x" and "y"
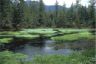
{"x": 18, "y": 14}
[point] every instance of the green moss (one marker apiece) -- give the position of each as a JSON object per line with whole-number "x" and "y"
{"x": 19, "y": 34}
{"x": 72, "y": 30}
{"x": 27, "y": 36}
{"x": 39, "y": 31}
{"x": 73, "y": 37}
{"x": 6, "y": 40}
{"x": 47, "y": 32}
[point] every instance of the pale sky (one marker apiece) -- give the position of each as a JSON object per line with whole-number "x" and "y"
{"x": 61, "y": 2}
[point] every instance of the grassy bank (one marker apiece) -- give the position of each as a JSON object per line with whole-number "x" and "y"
{"x": 74, "y": 37}
{"x": 86, "y": 57}
{"x": 5, "y": 40}
{"x": 55, "y": 34}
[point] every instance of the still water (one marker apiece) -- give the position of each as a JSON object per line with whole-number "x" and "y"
{"x": 51, "y": 47}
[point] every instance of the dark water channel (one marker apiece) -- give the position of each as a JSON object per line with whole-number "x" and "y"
{"x": 51, "y": 47}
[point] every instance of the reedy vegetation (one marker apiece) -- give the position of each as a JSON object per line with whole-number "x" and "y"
{"x": 87, "y": 57}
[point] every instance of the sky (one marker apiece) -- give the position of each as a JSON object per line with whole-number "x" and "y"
{"x": 61, "y": 2}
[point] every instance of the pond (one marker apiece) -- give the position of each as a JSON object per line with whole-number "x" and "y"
{"x": 51, "y": 47}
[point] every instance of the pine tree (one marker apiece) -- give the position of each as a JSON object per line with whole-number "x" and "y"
{"x": 18, "y": 15}
{"x": 5, "y": 14}
{"x": 71, "y": 16}
{"x": 77, "y": 13}
{"x": 62, "y": 18}
{"x": 92, "y": 13}
{"x": 41, "y": 13}
{"x": 34, "y": 13}
{"x": 83, "y": 16}
{"x": 56, "y": 14}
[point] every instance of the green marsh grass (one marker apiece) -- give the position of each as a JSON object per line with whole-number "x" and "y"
{"x": 73, "y": 37}
{"x": 5, "y": 40}
{"x": 86, "y": 57}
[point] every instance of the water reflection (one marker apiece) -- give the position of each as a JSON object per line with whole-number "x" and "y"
{"x": 77, "y": 45}
{"x": 52, "y": 47}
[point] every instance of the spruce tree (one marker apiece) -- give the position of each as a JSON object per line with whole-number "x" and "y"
{"x": 77, "y": 13}
{"x": 92, "y": 13}
{"x": 41, "y": 13}
{"x": 18, "y": 15}
{"x": 56, "y": 14}
{"x": 34, "y": 13}
{"x": 5, "y": 14}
